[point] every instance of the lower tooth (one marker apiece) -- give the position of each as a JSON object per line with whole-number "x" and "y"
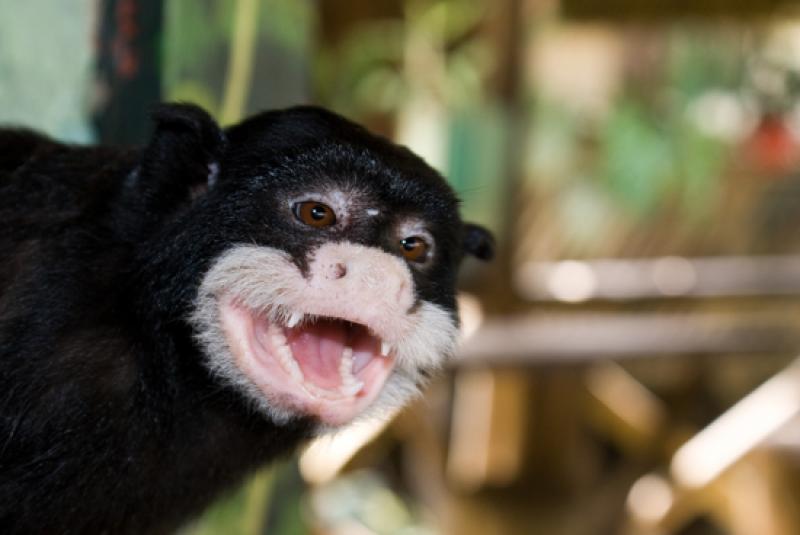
{"x": 350, "y": 384}
{"x": 346, "y": 364}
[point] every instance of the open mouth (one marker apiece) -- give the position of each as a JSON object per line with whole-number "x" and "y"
{"x": 327, "y": 367}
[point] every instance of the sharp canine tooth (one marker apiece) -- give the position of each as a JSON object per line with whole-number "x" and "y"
{"x": 386, "y": 348}
{"x": 350, "y": 384}
{"x": 294, "y": 319}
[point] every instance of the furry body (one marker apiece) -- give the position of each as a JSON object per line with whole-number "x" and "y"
{"x": 115, "y": 414}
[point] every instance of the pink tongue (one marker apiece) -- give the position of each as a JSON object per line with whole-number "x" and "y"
{"x": 317, "y": 348}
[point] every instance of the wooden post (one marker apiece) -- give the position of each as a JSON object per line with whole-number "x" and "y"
{"x": 129, "y": 69}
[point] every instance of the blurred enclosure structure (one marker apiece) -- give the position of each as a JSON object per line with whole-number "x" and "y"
{"x": 629, "y": 359}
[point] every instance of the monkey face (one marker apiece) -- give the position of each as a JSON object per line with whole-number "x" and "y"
{"x": 344, "y": 303}
{"x": 327, "y": 342}
{"x": 332, "y": 291}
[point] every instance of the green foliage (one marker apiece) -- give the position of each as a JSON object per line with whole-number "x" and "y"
{"x": 554, "y": 145}
{"x": 381, "y": 63}
{"x": 288, "y": 22}
{"x": 241, "y": 513}
{"x": 646, "y": 163}
{"x": 364, "y": 72}
{"x": 195, "y": 36}
{"x": 195, "y": 92}
{"x": 700, "y": 60}
{"x": 637, "y": 159}
{"x": 198, "y": 36}
{"x": 699, "y": 160}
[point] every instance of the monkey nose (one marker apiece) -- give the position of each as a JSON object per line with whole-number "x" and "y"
{"x": 336, "y": 270}
{"x": 366, "y": 284}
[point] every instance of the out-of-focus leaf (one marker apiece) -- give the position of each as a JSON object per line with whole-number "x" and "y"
{"x": 701, "y": 60}
{"x": 288, "y": 23}
{"x": 553, "y": 149}
{"x": 240, "y": 513}
{"x": 196, "y": 93}
{"x": 699, "y": 160}
{"x": 638, "y": 165}
{"x": 196, "y": 32}
{"x": 376, "y": 46}
{"x": 585, "y": 214}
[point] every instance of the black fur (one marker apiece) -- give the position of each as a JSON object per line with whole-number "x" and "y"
{"x": 109, "y": 423}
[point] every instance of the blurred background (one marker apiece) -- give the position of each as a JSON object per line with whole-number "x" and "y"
{"x": 628, "y": 360}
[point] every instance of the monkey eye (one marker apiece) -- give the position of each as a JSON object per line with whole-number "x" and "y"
{"x": 314, "y": 214}
{"x": 414, "y": 249}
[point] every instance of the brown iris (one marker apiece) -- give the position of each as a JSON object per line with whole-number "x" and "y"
{"x": 314, "y": 214}
{"x": 414, "y": 248}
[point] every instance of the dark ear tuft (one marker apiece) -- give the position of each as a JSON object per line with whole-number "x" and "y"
{"x": 190, "y": 122}
{"x": 181, "y": 159}
{"x": 478, "y": 241}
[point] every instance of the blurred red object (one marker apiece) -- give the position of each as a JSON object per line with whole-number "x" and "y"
{"x": 773, "y": 148}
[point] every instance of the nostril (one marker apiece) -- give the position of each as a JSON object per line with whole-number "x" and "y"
{"x": 338, "y": 270}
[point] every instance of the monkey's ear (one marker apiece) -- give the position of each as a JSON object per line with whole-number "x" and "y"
{"x": 181, "y": 159}
{"x": 478, "y": 241}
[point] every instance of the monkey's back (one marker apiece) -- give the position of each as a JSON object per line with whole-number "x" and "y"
{"x": 47, "y": 188}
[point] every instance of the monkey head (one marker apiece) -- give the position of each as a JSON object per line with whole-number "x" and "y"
{"x": 321, "y": 259}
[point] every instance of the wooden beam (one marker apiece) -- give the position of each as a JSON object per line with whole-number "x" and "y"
{"x": 534, "y": 339}
{"x": 672, "y": 9}
{"x": 627, "y": 279}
